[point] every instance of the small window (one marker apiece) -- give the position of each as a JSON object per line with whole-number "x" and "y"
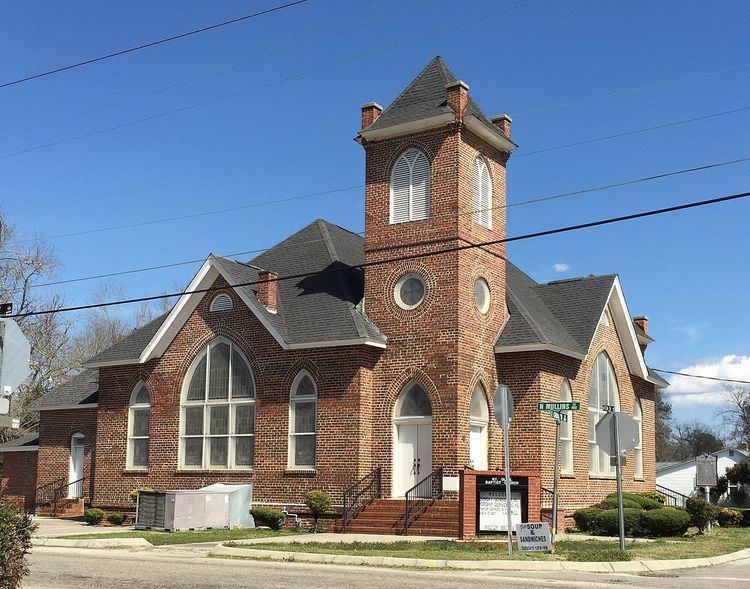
{"x": 481, "y": 194}
{"x": 602, "y": 391}
{"x": 566, "y": 431}
{"x": 303, "y": 405}
{"x": 139, "y": 423}
{"x": 414, "y": 403}
{"x": 410, "y": 187}
{"x": 638, "y": 450}
{"x": 221, "y": 302}
{"x": 409, "y": 291}
{"x": 482, "y": 295}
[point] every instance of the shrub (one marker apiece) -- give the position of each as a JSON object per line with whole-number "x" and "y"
{"x": 745, "y": 518}
{"x": 740, "y": 472}
{"x": 611, "y": 503}
{"x": 655, "y": 495}
{"x": 93, "y": 516}
{"x": 585, "y": 517}
{"x": 267, "y": 516}
{"x": 607, "y": 522}
{"x": 701, "y": 512}
{"x": 664, "y": 522}
{"x": 116, "y": 519}
{"x": 641, "y": 500}
{"x": 16, "y": 529}
{"x": 318, "y": 502}
{"x": 729, "y": 518}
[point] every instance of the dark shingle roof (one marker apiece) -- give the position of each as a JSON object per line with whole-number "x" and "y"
{"x": 426, "y": 97}
{"x": 131, "y": 346}
{"x": 563, "y": 314}
{"x": 81, "y": 389}
{"x": 29, "y": 440}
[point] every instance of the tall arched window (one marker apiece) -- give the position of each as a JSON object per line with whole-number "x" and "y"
{"x": 602, "y": 391}
{"x": 566, "y": 431}
{"x": 218, "y": 410}
{"x": 481, "y": 193}
{"x": 638, "y": 450}
{"x": 478, "y": 420}
{"x": 139, "y": 422}
{"x": 410, "y": 187}
{"x": 303, "y": 401}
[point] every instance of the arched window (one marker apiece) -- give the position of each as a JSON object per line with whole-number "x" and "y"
{"x": 602, "y": 391}
{"x": 139, "y": 421}
{"x": 414, "y": 402}
{"x": 218, "y": 410}
{"x": 222, "y": 302}
{"x": 478, "y": 420}
{"x": 303, "y": 401}
{"x": 481, "y": 193}
{"x": 410, "y": 187}
{"x": 638, "y": 450}
{"x": 566, "y": 431}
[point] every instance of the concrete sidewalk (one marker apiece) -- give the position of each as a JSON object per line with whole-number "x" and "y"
{"x": 49, "y": 527}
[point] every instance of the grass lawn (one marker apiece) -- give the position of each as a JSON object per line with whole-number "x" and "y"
{"x": 720, "y": 541}
{"x": 188, "y": 537}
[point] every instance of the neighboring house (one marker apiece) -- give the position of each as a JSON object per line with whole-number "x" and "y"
{"x": 369, "y": 358}
{"x": 680, "y": 476}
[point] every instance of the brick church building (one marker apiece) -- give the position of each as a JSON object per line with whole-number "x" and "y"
{"x": 331, "y": 355}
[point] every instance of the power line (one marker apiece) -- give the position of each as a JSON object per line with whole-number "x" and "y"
{"x": 421, "y": 255}
{"x": 704, "y": 377}
{"x": 222, "y": 97}
{"x": 149, "y": 44}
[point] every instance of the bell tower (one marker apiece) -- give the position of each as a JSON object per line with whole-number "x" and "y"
{"x": 435, "y": 187}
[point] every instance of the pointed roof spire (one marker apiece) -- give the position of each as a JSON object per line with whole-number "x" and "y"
{"x": 426, "y": 99}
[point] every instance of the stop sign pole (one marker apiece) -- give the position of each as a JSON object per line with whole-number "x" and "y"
{"x": 503, "y": 402}
{"x": 618, "y": 471}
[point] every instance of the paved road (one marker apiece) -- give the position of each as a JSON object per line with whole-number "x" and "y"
{"x": 110, "y": 569}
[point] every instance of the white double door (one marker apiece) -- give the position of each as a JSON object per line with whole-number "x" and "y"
{"x": 413, "y": 455}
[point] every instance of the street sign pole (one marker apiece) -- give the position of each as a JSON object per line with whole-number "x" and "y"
{"x": 554, "y": 484}
{"x": 620, "y": 512}
{"x": 506, "y": 452}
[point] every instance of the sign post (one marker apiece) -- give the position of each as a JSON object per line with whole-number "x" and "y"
{"x": 706, "y": 475}
{"x": 503, "y": 402}
{"x": 618, "y": 466}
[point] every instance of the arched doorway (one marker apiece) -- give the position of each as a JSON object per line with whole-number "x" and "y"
{"x": 75, "y": 472}
{"x": 412, "y": 448}
{"x": 478, "y": 420}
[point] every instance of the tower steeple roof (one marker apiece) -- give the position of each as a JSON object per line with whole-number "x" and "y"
{"x": 426, "y": 98}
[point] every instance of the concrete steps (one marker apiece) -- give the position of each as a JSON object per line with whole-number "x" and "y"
{"x": 386, "y": 516}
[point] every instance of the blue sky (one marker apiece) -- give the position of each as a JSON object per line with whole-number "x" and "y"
{"x": 268, "y": 108}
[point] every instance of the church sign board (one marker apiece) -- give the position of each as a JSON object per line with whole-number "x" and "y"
{"x": 492, "y": 507}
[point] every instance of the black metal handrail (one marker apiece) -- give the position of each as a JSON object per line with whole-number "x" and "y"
{"x": 547, "y": 498}
{"x": 673, "y": 498}
{"x": 45, "y": 494}
{"x": 360, "y": 494}
{"x": 72, "y": 490}
{"x": 422, "y": 495}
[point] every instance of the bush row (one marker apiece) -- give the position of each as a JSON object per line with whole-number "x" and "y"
{"x": 660, "y": 522}
{"x": 95, "y": 516}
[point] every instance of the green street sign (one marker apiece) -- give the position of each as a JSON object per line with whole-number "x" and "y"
{"x": 558, "y": 406}
{"x": 559, "y": 416}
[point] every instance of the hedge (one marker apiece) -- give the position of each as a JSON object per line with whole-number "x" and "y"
{"x": 641, "y": 500}
{"x": 267, "y": 516}
{"x": 607, "y": 523}
{"x": 730, "y": 518}
{"x": 664, "y": 522}
{"x": 585, "y": 517}
{"x": 611, "y": 503}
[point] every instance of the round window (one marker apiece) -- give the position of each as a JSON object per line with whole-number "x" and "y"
{"x": 409, "y": 291}
{"x": 482, "y": 295}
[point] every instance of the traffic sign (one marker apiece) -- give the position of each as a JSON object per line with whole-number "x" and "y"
{"x": 559, "y": 416}
{"x": 628, "y": 433}
{"x": 558, "y": 406}
{"x": 15, "y": 351}
{"x": 503, "y": 401}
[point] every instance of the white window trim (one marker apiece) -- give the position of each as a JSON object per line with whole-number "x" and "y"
{"x": 221, "y": 302}
{"x": 638, "y": 450}
{"x": 132, "y": 407}
{"x": 480, "y": 421}
{"x": 488, "y": 295}
{"x": 411, "y": 187}
{"x": 397, "y": 291}
{"x": 481, "y": 214}
{"x": 207, "y": 403}
{"x": 565, "y": 441}
{"x": 295, "y": 400}
{"x": 600, "y": 472}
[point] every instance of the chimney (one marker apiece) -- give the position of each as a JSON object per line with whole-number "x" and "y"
{"x": 370, "y": 113}
{"x": 503, "y": 122}
{"x": 268, "y": 289}
{"x": 458, "y": 97}
{"x": 642, "y": 322}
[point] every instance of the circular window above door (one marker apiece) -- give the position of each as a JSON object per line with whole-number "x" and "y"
{"x": 409, "y": 291}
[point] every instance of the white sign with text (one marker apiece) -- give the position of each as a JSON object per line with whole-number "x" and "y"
{"x": 493, "y": 513}
{"x": 534, "y": 537}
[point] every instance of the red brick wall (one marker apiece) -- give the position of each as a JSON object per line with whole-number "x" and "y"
{"x": 340, "y": 424}
{"x": 55, "y": 431}
{"x": 19, "y": 479}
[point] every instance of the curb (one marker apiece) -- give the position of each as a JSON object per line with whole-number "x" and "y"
{"x": 93, "y": 543}
{"x": 632, "y": 566}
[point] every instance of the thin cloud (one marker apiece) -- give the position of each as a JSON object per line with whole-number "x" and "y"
{"x": 560, "y": 267}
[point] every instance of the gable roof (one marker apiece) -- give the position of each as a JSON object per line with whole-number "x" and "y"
{"x": 27, "y": 443}
{"x": 664, "y": 467}
{"x": 82, "y": 389}
{"x": 562, "y": 317}
{"x": 426, "y": 99}
{"x": 312, "y": 311}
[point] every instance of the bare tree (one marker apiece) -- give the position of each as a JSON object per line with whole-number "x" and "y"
{"x": 736, "y": 414}
{"x": 694, "y": 438}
